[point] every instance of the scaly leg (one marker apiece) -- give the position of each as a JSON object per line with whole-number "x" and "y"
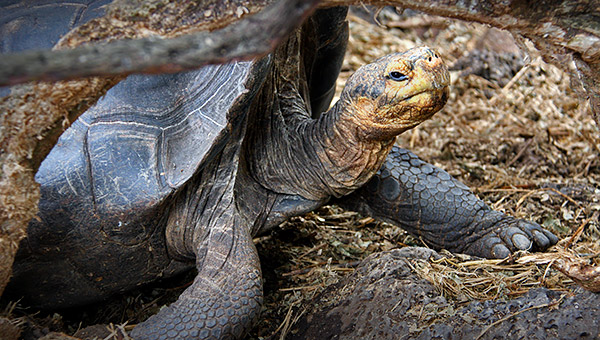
{"x": 225, "y": 298}
{"x": 429, "y": 203}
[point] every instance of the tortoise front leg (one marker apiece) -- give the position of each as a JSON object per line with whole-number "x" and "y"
{"x": 225, "y": 298}
{"x": 432, "y": 205}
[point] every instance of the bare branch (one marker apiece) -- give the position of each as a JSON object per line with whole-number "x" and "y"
{"x": 254, "y": 36}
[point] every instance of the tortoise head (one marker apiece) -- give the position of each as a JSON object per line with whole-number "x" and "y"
{"x": 396, "y": 92}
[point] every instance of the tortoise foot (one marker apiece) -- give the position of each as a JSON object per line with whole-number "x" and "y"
{"x": 206, "y": 311}
{"x": 509, "y": 235}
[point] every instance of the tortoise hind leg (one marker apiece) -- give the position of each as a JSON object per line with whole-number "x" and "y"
{"x": 430, "y": 204}
{"x": 225, "y": 298}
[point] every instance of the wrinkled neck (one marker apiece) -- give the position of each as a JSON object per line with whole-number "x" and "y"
{"x": 316, "y": 158}
{"x": 349, "y": 156}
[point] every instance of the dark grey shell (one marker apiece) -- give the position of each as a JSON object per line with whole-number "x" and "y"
{"x": 141, "y": 142}
{"x": 48, "y": 19}
{"x": 106, "y": 185}
{"x": 122, "y": 160}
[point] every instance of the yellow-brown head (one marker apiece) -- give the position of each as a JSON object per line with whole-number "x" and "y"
{"x": 396, "y": 92}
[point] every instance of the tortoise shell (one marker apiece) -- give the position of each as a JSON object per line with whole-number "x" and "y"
{"x": 107, "y": 184}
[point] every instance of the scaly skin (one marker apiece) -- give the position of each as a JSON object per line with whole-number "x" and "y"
{"x": 340, "y": 151}
{"x": 225, "y": 298}
{"x": 430, "y": 204}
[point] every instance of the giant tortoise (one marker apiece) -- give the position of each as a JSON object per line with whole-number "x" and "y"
{"x": 167, "y": 172}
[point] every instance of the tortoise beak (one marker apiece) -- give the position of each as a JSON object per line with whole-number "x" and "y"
{"x": 429, "y": 72}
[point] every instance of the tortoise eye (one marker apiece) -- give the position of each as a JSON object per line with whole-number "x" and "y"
{"x": 397, "y": 76}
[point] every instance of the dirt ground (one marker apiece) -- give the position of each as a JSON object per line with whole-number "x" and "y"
{"x": 513, "y": 130}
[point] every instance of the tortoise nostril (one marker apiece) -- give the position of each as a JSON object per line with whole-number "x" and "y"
{"x": 429, "y": 59}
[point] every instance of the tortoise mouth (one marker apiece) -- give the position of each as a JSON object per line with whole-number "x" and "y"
{"x": 436, "y": 93}
{"x": 423, "y": 105}
{"x": 430, "y": 81}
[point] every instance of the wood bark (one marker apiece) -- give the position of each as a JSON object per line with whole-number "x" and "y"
{"x": 249, "y": 38}
{"x": 34, "y": 115}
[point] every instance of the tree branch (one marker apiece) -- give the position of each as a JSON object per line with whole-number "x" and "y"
{"x": 248, "y": 38}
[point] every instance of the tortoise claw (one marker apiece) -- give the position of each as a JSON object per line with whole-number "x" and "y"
{"x": 516, "y": 238}
{"x": 510, "y": 235}
{"x": 500, "y": 251}
{"x": 551, "y": 237}
{"x": 539, "y": 237}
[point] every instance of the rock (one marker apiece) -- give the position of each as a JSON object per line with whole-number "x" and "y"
{"x": 385, "y": 299}
{"x": 97, "y": 332}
